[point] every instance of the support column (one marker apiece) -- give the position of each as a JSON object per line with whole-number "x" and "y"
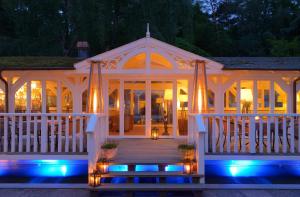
{"x": 238, "y": 96}
{"x": 272, "y": 97}
{"x": 290, "y": 95}
{"x": 44, "y": 95}
{"x": 219, "y": 98}
{"x": 174, "y": 108}
{"x": 148, "y": 108}
{"x": 121, "y": 107}
{"x": 28, "y": 99}
{"x": 255, "y": 96}
{"x": 11, "y": 96}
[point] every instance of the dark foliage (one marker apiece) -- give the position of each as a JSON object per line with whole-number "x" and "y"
{"x": 206, "y": 27}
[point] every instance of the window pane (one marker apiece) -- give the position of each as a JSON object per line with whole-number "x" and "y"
{"x": 211, "y": 99}
{"x": 161, "y": 107}
{"x": 230, "y": 99}
{"x": 263, "y": 96}
{"x": 21, "y": 98}
{"x": 2, "y": 101}
{"x": 114, "y": 108}
{"x": 280, "y": 99}
{"x": 67, "y": 100}
{"x": 36, "y": 96}
{"x": 135, "y": 107}
{"x": 182, "y": 106}
{"x": 51, "y": 96}
{"x": 136, "y": 62}
{"x": 84, "y": 101}
{"x": 246, "y": 96}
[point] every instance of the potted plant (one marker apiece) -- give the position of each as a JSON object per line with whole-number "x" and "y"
{"x": 187, "y": 151}
{"x": 109, "y": 150}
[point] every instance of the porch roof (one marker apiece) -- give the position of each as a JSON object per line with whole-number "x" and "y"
{"x": 37, "y": 63}
{"x": 259, "y": 63}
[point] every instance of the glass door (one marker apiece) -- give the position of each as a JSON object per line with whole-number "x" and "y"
{"x": 134, "y": 108}
{"x": 162, "y": 107}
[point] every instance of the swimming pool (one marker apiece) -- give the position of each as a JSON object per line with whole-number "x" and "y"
{"x": 217, "y": 172}
{"x": 43, "y": 171}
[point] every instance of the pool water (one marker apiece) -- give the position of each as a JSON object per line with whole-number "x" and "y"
{"x": 43, "y": 171}
{"x": 217, "y": 172}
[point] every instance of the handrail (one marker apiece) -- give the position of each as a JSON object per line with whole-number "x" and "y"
{"x": 50, "y": 114}
{"x": 244, "y": 115}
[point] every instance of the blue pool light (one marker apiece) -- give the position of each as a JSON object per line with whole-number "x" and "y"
{"x": 118, "y": 168}
{"x": 146, "y": 168}
{"x": 174, "y": 168}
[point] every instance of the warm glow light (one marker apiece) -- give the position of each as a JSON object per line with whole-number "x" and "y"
{"x": 33, "y": 85}
{"x": 187, "y": 168}
{"x": 256, "y": 117}
{"x": 168, "y": 94}
{"x": 95, "y": 102}
{"x": 199, "y": 101}
{"x": 246, "y": 95}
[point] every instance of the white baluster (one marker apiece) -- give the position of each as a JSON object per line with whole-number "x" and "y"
{"x": 35, "y": 134}
{"x": 28, "y": 123}
{"x": 74, "y": 134}
{"x": 59, "y": 133}
{"x": 292, "y": 135}
{"x": 67, "y": 134}
{"x": 20, "y": 134}
{"x": 268, "y": 135}
{"x": 284, "y": 146}
{"x": 276, "y": 135}
{"x": 206, "y": 133}
{"x": 252, "y": 135}
{"x": 228, "y": 141}
{"x": 44, "y": 134}
{"x": 236, "y": 131}
{"x": 243, "y": 135}
{"x": 221, "y": 133}
{"x": 13, "y": 134}
{"x": 213, "y": 134}
{"x": 52, "y": 149}
{"x": 261, "y": 136}
{"x": 5, "y": 134}
{"x": 80, "y": 134}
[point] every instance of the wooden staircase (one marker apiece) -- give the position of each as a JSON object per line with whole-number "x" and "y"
{"x": 160, "y": 153}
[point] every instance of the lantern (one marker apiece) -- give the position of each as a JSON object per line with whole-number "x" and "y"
{"x": 154, "y": 133}
{"x": 102, "y": 166}
{"x": 94, "y": 179}
{"x": 187, "y": 167}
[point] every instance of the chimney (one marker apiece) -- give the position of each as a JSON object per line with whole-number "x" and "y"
{"x": 82, "y": 49}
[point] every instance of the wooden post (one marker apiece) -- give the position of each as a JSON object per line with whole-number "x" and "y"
{"x": 200, "y": 146}
{"x": 44, "y": 134}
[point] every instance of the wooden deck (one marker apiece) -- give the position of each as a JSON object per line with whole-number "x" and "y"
{"x": 149, "y": 151}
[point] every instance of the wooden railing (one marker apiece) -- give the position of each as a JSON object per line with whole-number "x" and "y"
{"x": 252, "y": 133}
{"x": 43, "y": 132}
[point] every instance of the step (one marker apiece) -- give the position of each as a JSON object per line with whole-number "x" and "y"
{"x": 149, "y": 174}
{"x": 149, "y": 187}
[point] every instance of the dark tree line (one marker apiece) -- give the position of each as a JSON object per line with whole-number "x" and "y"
{"x": 206, "y": 27}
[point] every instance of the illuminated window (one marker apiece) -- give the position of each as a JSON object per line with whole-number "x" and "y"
{"x": 84, "y": 101}
{"x": 36, "y": 96}
{"x": 2, "y": 101}
{"x": 136, "y": 62}
{"x": 280, "y": 99}
{"x": 263, "y": 96}
{"x": 298, "y": 102}
{"x": 230, "y": 99}
{"x": 211, "y": 99}
{"x": 21, "y": 98}
{"x": 67, "y": 100}
{"x": 159, "y": 62}
{"x": 114, "y": 109}
{"x": 246, "y": 96}
{"x": 51, "y": 96}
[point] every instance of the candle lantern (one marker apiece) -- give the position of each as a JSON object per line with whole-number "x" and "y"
{"x": 187, "y": 167}
{"x": 102, "y": 166}
{"x": 94, "y": 179}
{"x": 154, "y": 133}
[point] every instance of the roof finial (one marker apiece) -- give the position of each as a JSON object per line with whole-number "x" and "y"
{"x": 148, "y": 32}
